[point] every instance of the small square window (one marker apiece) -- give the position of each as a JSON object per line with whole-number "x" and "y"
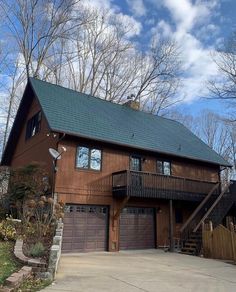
{"x": 33, "y": 125}
{"x": 88, "y": 158}
{"x": 95, "y": 159}
{"x": 160, "y": 167}
{"x": 166, "y": 168}
{"x": 163, "y": 167}
{"x": 82, "y": 159}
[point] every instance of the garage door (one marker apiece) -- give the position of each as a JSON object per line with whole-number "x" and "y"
{"x": 85, "y": 228}
{"x": 137, "y": 228}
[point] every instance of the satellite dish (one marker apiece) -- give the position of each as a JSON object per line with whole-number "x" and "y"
{"x": 54, "y": 153}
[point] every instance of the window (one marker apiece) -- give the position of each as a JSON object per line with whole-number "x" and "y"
{"x": 88, "y": 158}
{"x": 163, "y": 167}
{"x": 178, "y": 216}
{"x": 33, "y": 126}
{"x": 135, "y": 163}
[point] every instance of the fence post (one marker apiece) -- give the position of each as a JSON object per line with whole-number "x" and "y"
{"x": 211, "y": 239}
{"x": 203, "y": 240}
{"x": 233, "y": 244}
{"x": 210, "y": 226}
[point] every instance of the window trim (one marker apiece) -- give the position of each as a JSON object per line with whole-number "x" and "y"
{"x": 162, "y": 161}
{"x": 137, "y": 157}
{"x": 89, "y": 158}
{"x": 30, "y": 121}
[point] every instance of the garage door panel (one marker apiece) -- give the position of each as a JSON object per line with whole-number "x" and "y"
{"x": 77, "y": 245}
{"x": 85, "y": 228}
{"x": 67, "y": 220}
{"x": 79, "y": 234}
{"x": 137, "y": 228}
{"x": 67, "y": 246}
{"x": 67, "y": 233}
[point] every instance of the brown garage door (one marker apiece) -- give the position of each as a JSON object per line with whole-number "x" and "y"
{"x": 137, "y": 228}
{"x": 85, "y": 228}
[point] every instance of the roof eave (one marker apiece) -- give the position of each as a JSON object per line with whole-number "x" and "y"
{"x": 140, "y": 148}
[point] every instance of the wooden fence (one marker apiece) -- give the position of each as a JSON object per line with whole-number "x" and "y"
{"x": 219, "y": 243}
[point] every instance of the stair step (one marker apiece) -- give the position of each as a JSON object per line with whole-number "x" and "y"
{"x": 187, "y": 253}
{"x": 194, "y": 240}
{"x": 188, "y": 249}
{"x": 187, "y": 244}
{"x": 195, "y": 237}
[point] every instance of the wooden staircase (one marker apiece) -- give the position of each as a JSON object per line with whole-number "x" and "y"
{"x": 214, "y": 208}
{"x": 192, "y": 244}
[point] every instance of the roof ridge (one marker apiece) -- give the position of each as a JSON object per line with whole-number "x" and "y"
{"x": 103, "y": 100}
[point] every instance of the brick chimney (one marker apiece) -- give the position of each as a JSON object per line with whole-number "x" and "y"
{"x": 132, "y": 103}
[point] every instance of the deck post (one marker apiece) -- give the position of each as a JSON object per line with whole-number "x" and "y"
{"x": 171, "y": 228}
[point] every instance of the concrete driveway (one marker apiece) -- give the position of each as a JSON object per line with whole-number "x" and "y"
{"x": 150, "y": 270}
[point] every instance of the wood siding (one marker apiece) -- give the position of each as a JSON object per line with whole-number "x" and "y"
{"x": 193, "y": 171}
{"x": 34, "y": 149}
{"x": 71, "y": 180}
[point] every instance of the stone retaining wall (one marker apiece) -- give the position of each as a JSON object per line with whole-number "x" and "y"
{"x": 38, "y": 265}
{"x": 55, "y": 251}
{"x": 14, "y": 281}
{"x": 35, "y": 265}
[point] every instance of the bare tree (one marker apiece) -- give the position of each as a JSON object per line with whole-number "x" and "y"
{"x": 104, "y": 62}
{"x": 90, "y": 50}
{"x": 225, "y": 59}
{"x": 216, "y": 131}
{"x": 34, "y": 28}
{"x": 13, "y": 91}
{"x": 36, "y": 25}
{"x": 96, "y": 56}
{"x": 160, "y": 76}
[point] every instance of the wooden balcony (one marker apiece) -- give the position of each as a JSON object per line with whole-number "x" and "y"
{"x": 152, "y": 185}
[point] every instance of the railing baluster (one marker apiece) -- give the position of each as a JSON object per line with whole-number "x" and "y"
{"x": 138, "y": 183}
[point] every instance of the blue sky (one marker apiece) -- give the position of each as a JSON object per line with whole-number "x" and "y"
{"x": 198, "y": 26}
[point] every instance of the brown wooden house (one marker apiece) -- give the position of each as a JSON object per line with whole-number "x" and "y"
{"x": 129, "y": 179}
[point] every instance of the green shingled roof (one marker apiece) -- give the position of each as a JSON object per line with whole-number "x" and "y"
{"x": 87, "y": 116}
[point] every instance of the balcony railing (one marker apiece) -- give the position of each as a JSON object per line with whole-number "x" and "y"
{"x": 153, "y": 185}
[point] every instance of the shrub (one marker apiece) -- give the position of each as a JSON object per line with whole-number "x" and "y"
{"x": 29, "y": 191}
{"x": 37, "y": 250}
{"x": 7, "y": 230}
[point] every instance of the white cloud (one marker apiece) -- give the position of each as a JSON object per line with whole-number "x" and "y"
{"x": 98, "y": 4}
{"x": 137, "y": 7}
{"x": 130, "y": 22}
{"x": 186, "y": 14}
{"x": 113, "y": 11}
{"x": 163, "y": 28}
{"x": 189, "y": 17}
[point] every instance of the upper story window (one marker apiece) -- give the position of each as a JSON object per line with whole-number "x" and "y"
{"x": 88, "y": 158}
{"x": 33, "y": 125}
{"x": 163, "y": 167}
{"x": 135, "y": 163}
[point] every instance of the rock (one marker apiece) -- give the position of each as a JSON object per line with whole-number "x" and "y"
{"x": 45, "y": 275}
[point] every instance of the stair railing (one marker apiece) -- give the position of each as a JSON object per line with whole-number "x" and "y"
{"x": 212, "y": 206}
{"x": 199, "y": 207}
